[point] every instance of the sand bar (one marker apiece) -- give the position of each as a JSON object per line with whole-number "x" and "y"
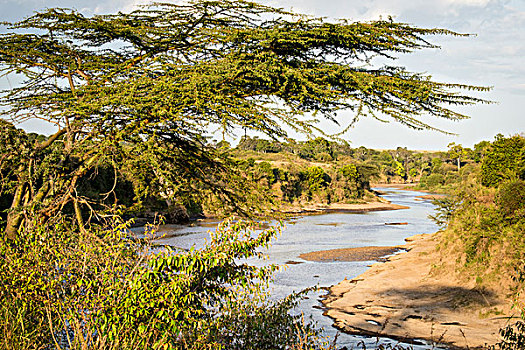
{"x": 350, "y": 254}
{"x": 342, "y": 207}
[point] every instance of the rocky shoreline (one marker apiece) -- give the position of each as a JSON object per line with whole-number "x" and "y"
{"x": 404, "y": 299}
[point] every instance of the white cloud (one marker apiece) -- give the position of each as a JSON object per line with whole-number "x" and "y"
{"x": 467, "y": 2}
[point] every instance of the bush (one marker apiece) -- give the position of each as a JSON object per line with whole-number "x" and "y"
{"x": 435, "y": 180}
{"x": 513, "y": 337}
{"x": 451, "y": 178}
{"x": 511, "y": 198}
{"x": 504, "y": 160}
{"x": 324, "y": 157}
{"x": 104, "y": 290}
{"x": 316, "y": 179}
{"x": 447, "y": 168}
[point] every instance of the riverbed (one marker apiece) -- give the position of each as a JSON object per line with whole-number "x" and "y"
{"x": 309, "y": 233}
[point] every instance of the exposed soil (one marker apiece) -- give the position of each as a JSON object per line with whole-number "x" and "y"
{"x": 404, "y": 186}
{"x": 432, "y": 196}
{"x": 403, "y": 299}
{"x": 342, "y": 207}
{"x": 351, "y": 254}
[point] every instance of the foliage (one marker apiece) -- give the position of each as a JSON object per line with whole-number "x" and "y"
{"x": 97, "y": 292}
{"x": 434, "y": 180}
{"x": 357, "y": 178}
{"x": 479, "y": 150}
{"x": 511, "y": 199}
{"x": 134, "y": 91}
{"x": 487, "y": 235}
{"x": 456, "y": 152}
{"x": 445, "y": 209}
{"x": 486, "y": 226}
{"x": 259, "y": 145}
{"x": 504, "y": 159}
{"x": 319, "y": 149}
{"x": 130, "y": 95}
{"x": 292, "y": 181}
{"x": 513, "y": 337}
{"x": 350, "y": 172}
{"x": 316, "y": 179}
{"x": 267, "y": 171}
{"x": 399, "y": 169}
{"x": 487, "y": 244}
{"x": 53, "y": 282}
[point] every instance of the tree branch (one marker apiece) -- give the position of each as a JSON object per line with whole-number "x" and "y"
{"x": 50, "y": 140}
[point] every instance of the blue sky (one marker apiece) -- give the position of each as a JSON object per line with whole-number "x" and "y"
{"x": 494, "y": 57}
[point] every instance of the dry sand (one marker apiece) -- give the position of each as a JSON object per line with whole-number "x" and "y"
{"x": 342, "y": 207}
{"x": 403, "y": 299}
{"x": 351, "y": 254}
{"x": 432, "y": 196}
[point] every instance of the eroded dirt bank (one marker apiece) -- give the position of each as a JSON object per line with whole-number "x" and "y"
{"x": 403, "y": 299}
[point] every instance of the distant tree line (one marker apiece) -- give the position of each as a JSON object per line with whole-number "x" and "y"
{"x": 430, "y": 169}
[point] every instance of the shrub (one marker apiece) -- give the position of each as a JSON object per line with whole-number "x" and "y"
{"x": 324, "y": 157}
{"x": 104, "y": 290}
{"x": 511, "y": 198}
{"x": 513, "y": 337}
{"x": 316, "y": 178}
{"x": 451, "y": 178}
{"x": 435, "y": 180}
{"x": 349, "y": 172}
{"x": 504, "y": 160}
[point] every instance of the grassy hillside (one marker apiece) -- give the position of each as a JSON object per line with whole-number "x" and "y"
{"x": 483, "y": 240}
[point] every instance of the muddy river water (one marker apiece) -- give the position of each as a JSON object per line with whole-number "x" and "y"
{"x": 322, "y": 232}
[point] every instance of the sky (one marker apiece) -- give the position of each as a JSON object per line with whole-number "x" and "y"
{"x": 493, "y": 57}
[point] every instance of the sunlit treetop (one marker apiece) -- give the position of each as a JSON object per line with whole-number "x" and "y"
{"x": 179, "y": 69}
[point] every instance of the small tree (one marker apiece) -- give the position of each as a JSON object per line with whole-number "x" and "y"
{"x": 316, "y": 179}
{"x": 456, "y": 152}
{"x": 504, "y": 160}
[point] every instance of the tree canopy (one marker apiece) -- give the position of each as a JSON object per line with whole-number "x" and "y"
{"x": 139, "y": 91}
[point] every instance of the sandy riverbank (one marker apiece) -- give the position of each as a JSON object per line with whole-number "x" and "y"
{"x": 342, "y": 207}
{"x": 403, "y": 299}
{"x": 410, "y": 187}
{"x": 401, "y": 186}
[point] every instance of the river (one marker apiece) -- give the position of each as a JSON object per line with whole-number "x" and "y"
{"x": 322, "y": 232}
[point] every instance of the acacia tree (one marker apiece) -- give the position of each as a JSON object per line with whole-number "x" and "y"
{"x": 140, "y": 90}
{"x": 456, "y": 152}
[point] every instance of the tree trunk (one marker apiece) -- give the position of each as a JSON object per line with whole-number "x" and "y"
{"x": 78, "y": 216}
{"x": 22, "y": 197}
{"x": 14, "y": 217}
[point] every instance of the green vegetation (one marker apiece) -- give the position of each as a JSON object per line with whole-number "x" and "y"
{"x": 137, "y": 97}
{"x": 67, "y": 290}
{"x": 488, "y": 216}
{"x": 486, "y": 226}
{"x": 293, "y": 182}
{"x": 504, "y": 160}
{"x": 434, "y": 171}
{"x": 130, "y": 96}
